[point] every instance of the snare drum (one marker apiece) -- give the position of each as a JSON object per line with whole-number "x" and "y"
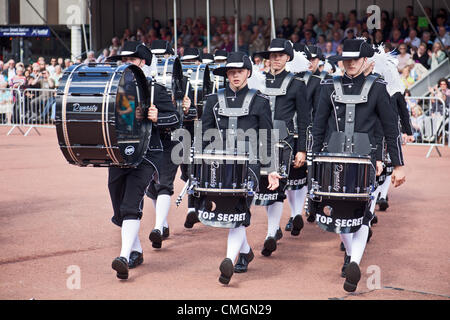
{"x": 200, "y": 82}
{"x": 96, "y": 119}
{"x": 221, "y": 173}
{"x": 218, "y": 81}
{"x": 341, "y": 176}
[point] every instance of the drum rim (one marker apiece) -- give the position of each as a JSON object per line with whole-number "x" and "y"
{"x": 341, "y": 155}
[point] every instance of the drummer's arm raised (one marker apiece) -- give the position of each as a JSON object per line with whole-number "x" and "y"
{"x": 168, "y": 117}
{"x": 321, "y": 117}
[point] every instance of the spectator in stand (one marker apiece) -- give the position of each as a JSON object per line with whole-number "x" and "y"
{"x": 257, "y": 41}
{"x": 444, "y": 36}
{"x": 67, "y": 64}
{"x": 242, "y": 45}
{"x": 90, "y": 57}
{"x": 309, "y": 38}
{"x": 216, "y": 42}
{"x": 426, "y": 38}
{"x": 115, "y": 45}
{"x": 404, "y": 29}
{"x": 403, "y": 57}
{"x": 369, "y": 38}
{"x": 6, "y": 101}
{"x": 329, "y": 50}
{"x": 298, "y": 29}
{"x": 406, "y": 77}
{"x": 18, "y": 80}
{"x": 321, "y": 43}
{"x": 416, "y": 121}
{"x": 185, "y": 36}
{"x": 349, "y": 34}
{"x": 61, "y": 61}
{"x": 286, "y": 29}
{"x": 146, "y": 25}
{"x": 337, "y": 40}
{"x": 103, "y": 56}
{"x": 294, "y": 38}
{"x": 412, "y": 40}
{"x": 213, "y": 25}
{"x": 378, "y": 38}
{"x": 245, "y": 33}
{"x": 436, "y": 56}
{"x": 228, "y": 45}
{"x": 421, "y": 56}
{"x": 9, "y": 70}
{"x": 396, "y": 38}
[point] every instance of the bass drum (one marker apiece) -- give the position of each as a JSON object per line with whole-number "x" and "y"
{"x": 101, "y": 115}
{"x": 170, "y": 74}
{"x": 200, "y": 81}
{"x": 218, "y": 82}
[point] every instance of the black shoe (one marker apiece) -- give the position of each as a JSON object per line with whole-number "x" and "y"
{"x": 270, "y": 245}
{"x": 297, "y": 225}
{"x": 136, "y": 258}
{"x": 166, "y": 233}
{"x": 311, "y": 218}
{"x": 374, "y": 220}
{"x": 342, "y": 247}
{"x": 383, "y": 204}
{"x": 243, "y": 260}
{"x": 289, "y": 225}
{"x": 369, "y": 235}
{"x": 352, "y": 277}
{"x": 226, "y": 271}
{"x": 346, "y": 263}
{"x": 120, "y": 264}
{"x": 191, "y": 219}
{"x": 279, "y": 234}
{"x": 156, "y": 238}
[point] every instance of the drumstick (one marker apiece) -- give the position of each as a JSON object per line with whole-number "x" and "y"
{"x": 152, "y": 94}
{"x": 189, "y": 72}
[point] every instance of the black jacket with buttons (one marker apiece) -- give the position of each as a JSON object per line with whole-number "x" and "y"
{"x": 312, "y": 92}
{"x": 259, "y": 116}
{"x": 330, "y": 115}
{"x": 294, "y": 102}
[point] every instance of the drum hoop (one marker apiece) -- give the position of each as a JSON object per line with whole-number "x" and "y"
{"x": 217, "y": 190}
{"x": 107, "y": 137}
{"x": 342, "y": 195}
{"x": 220, "y": 157}
{"x": 64, "y": 115}
{"x": 343, "y": 160}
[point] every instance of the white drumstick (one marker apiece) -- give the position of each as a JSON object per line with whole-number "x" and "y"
{"x": 152, "y": 94}
{"x": 189, "y": 72}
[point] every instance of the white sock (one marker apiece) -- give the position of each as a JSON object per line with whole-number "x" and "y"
{"x": 385, "y": 187}
{"x": 274, "y": 213}
{"x": 137, "y": 244}
{"x": 347, "y": 238}
{"x": 236, "y": 238}
{"x": 154, "y": 203}
{"x": 245, "y": 248}
{"x": 162, "y": 210}
{"x": 373, "y": 203}
{"x": 359, "y": 243}
{"x": 130, "y": 230}
{"x": 296, "y": 200}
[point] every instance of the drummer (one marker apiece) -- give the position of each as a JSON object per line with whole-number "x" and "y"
{"x": 288, "y": 94}
{"x": 161, "y": 191}
{"x": 332, "y": 118}
{"x": 256, "y": 117}
{"x": 220, "y": 57}
{"x": 207, "y": 58}
{"x": 191, "y": 57}
{"x": 127, "y": 186}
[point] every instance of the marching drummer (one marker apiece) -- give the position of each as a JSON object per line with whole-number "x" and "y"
{"x": 127, "y": 186}
{"x": 348, "y": 109}
{"x": 287, "y": 95}
{"x": 229, "y": 111}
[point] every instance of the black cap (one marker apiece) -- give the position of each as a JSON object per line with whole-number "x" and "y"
{"x": 354, "y": 49}
{"x": 235, "y": 60}
{"x": 220, "y": 55}
{"x": 300, "y": 47}
{"x": 190, "y": 54}
{"x": 316, "y": 52}
{"x": 134, "y": 49}
{"x": 278, "y": 45}
{"x": 161, "y": 47}
{"x": 207, "y": 58}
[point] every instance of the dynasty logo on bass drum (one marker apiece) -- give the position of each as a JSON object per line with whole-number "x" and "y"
{"x": 337, "y": 177}
{"x": 76, "y": 107}
{"x": 214, "y": 167}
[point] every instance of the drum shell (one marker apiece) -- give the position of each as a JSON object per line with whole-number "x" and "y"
{"x": 174, "y": 74}
{"x": 348, "y": 176}
{"x": 86, "y": 119}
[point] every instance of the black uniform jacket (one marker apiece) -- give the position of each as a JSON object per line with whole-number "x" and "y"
{"x": 259, "y": 116}
{"x": 312, "y": 92}
{"x": 295, "y": 101}
{"x": 330, "y": 116}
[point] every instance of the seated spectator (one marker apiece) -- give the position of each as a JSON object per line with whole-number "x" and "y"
{"x": 436, "y": 56}
{"x": 103, "y": 56}
{"x": 90, "y": 57}
{"x": 403, "y": 57}
{"x": 115, "y": 45}
{"x": 378, "y": 38}
{"x": 68, "y": 63}
{"x": 349, "y": 34}
{"x": 396, "y": 39}
{"x": 245, "y": 33}
{"x": 444, "y": 36}
{"x": 337, "y": 40}
{"x": 412, "y": 39}
{"x": 258, "y": 43}
{"x": 329, "y": 49}
{"x": 309, "y": 38}
{"x": 294, "y": 38}
{"x": 322, "y": 42}
{"x": 407, "y": 80}
{"x": 286, "y": 29}
{"x": 421, "y": 56}
{"x": 426, "y": 38}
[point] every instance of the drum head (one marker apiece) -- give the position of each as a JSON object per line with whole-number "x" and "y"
{"x": 170, "y": 74}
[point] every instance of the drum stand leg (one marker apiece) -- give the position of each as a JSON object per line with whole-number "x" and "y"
{"x": 28, "y": 131}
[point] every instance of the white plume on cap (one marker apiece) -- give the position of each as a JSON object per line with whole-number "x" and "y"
{"x": 152, "y": 69}
{"x": 386, "y": 65}
{"x": 257, "y": 80}
{"x": 299, "y": 63}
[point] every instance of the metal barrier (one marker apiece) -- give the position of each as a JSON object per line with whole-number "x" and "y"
{"x": 429, "y": 122}
{"x": 29, "y": 108}
{"x": 11, "y": 108}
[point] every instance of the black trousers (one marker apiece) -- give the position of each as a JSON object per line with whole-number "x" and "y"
{"x": 127, "y": 187}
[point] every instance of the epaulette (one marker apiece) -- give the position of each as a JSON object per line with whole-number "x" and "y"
{"x": 262, "y": 95}
{"x": 299, "y": 79}
{"x": 382, "y": 81}
{"x": 315, "y": 75}
{"x": 210, "y": 95}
